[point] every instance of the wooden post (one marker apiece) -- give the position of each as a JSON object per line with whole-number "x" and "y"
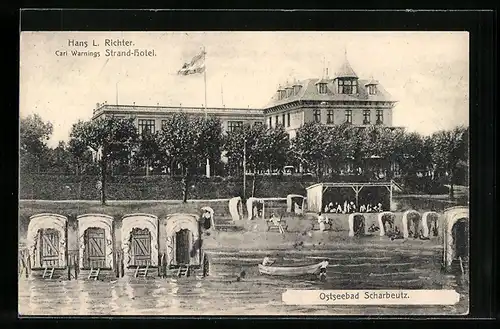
{"x": 390, "y": 197}
{"x": 76, "y": 264}
{"x": 357, "y": 196}
{"x": 66, "y": 251}
{"x": 114, "y": 247}
{"x": 158, "y": 244}
{"x": 29, "y": 263}
{"x": 26, "y": 264}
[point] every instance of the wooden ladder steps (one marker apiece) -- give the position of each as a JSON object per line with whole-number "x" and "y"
{"x": 94, "y": 273}
{"x": 141, "y": 272}
{"x": 48, "y": 273}
{"x": 183, "y": 271}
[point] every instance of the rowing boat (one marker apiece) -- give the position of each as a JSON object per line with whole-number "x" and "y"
{"x": 293, "y": 270}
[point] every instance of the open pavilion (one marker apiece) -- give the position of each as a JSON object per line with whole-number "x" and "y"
{"x": 316, "y": 192}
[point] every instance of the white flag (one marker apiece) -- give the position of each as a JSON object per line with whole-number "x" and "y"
{"x": 197, "y": 65}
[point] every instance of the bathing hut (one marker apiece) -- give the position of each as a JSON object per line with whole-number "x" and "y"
{"x": 184, "y": 254}
{"x": 412, "y": 221}
{"x": 96, "y": 247}
{"x": 456, "y": 237}
{"x": 430, "y": 222}
{"x": 236, "y": 208}
{"x": 357, "y": 224}
{"x": 295, "y": 203}
{"x": 383, "y": 218}
{"x": 47, "y": 246}
{"x": 255, "y": 208}
{"x": 139, "y": 238}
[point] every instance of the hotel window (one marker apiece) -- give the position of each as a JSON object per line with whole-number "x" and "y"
{"x": 233, "y": 125}
{"x": 146, "y": 125}
{"x": 366, "y": 117}
{"x": 276, "y": 121}
{"x": 329, "y": 116}
{"x": 380, "y": 117}
{"x": 163, "y": 123}
{"x": 348, "y": 86}
{"x": 283, "y": 119}
{"x": 288, "y": 119}
{"x": 348, "y": 116}
{"x": 322, "y": 88}
{"x": 372, "y": 89}
{"x": 317, "y": 115}
{"x": 270, "y": 122}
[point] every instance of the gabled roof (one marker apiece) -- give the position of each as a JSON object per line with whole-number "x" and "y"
{"x": 371, "y": 82}
{"x": 309, "y": 92}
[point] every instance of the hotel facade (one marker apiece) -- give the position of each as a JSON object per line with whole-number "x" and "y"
{"x": 344, "y": 97}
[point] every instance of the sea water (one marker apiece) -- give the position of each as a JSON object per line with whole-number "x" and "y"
{"x": 221, "y": 293}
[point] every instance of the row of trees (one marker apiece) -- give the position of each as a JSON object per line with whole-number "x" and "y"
{"x": 184, "y": 144}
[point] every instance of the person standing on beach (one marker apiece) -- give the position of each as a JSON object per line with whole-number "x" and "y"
{"x": 322, "y": 221}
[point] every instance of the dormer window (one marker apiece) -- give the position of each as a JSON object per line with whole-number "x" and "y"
{"x": 348, "y": 86}
{"x": 372, "y": 87}
{"x": 281, "y": 94}
{"x": 289, "y": 91}
{"x": 322, "y": 88}
{"x": 296, "y": 89}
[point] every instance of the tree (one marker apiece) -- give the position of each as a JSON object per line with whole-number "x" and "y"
{"x": 33, "y": 135}
{"x": 60, "y": 158}
{"x": 209, "y": 132}
{"x": 449, "y": 147}
{"x": 185, "y": 140}
{"x": 265, "y": 149}
{"x": 309, "y": 146}
{"x": 148, "y": 151}
{"x": 111, "y": 138}
{"x": 81, "y": 154}
{"x": 412, "y": 152}
{"x": 337, "y": 146}
{"x": 273, "y": 148}
{"x": 379, "y": 147}
{"x": 355, "y": 145}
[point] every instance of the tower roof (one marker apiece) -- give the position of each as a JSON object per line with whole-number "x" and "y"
{"x": 346, "y": 71}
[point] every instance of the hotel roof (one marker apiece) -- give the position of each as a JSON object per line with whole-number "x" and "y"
{"x": 310, "y": 92}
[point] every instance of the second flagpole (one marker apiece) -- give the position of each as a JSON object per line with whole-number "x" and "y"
{"x": 207, "y": 166}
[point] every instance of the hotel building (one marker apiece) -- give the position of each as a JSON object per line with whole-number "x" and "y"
{"x": 344, "y": 97}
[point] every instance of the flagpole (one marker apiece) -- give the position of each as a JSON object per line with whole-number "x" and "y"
{"x": 207, "y": 166}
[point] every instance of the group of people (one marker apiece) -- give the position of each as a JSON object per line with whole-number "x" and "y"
{"x": 350, "y": 207}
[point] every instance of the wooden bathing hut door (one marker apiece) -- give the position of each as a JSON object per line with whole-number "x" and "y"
{"x": 182, "y": 246}
{"x": 460, "y": 233}
{"x": 46, "y": 241}
{"x": 141, "y": 247}
{"x": 359, "y": 225}
{"x": 95, "y": 248}
{"x": 49, "y": 247}
{"x": 183, "y": 240}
